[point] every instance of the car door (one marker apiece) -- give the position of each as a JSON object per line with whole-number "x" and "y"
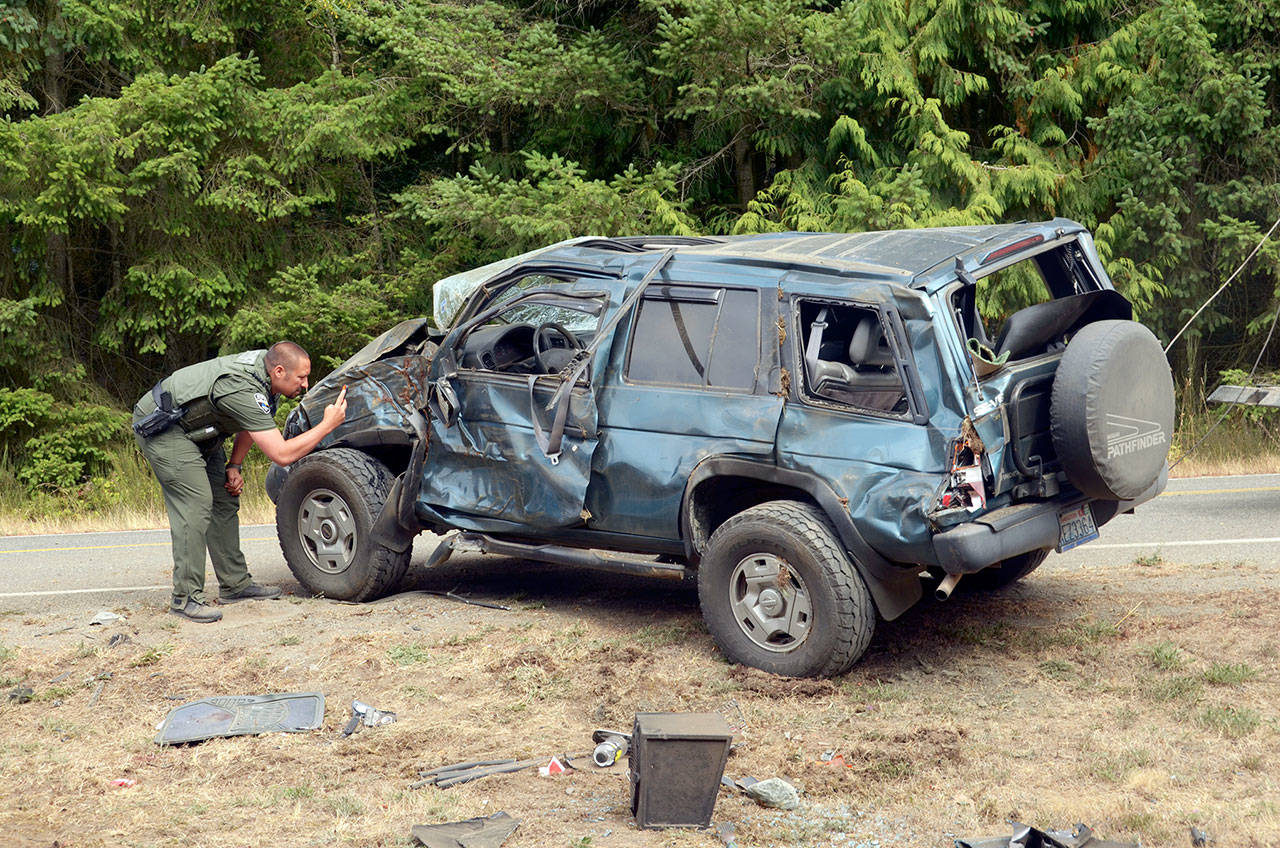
{"x": 511, "y": 440}
{"x": 696, "y": 377}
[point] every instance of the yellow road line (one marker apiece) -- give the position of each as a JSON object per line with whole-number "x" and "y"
{"x": 106, "y": 547}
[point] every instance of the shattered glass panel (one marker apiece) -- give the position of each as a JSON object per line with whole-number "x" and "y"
{"x": 451, "y": 293}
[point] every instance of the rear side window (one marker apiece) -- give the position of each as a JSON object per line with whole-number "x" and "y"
{"x": 848, "y": 359}
{"x": 696, "y": 336}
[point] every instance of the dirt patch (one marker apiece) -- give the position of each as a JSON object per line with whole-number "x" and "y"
{"x": 1137, "y": 700}
{"x": 771, "y": 685}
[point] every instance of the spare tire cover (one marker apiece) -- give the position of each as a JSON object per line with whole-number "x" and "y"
{"x": 1111, "y": 411}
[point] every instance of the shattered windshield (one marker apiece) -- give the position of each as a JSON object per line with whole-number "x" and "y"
{"x": 448, "y": 295}
{"x": 576, "y": 314}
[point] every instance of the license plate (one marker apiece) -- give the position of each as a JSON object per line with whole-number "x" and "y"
{"x": 1075, "y": 527}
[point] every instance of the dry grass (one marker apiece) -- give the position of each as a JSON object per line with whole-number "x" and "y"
{"x": 1136, "y": 712}
{"x": 1197, "y": 465}
{"x": 140, "y": 507}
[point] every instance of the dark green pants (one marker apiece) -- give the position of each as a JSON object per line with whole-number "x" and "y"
{"x": 202, "y": 514}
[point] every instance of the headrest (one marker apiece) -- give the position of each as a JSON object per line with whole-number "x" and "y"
{"x": 868, "y": 346}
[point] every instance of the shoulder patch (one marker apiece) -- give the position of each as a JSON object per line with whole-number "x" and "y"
{"x": 263, "y": 403}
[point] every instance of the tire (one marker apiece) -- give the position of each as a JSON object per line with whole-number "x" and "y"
{"x": 327, "y": 508}
{"x": 1111, "y": 410}
{"x": 798, "y": 565}
{"x": 1005, "y": 572}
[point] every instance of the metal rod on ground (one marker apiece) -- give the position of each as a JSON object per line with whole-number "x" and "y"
{"x": 460, "y": 766}
{"x": 452, "y": 779}
{"x": 446, "y": 776}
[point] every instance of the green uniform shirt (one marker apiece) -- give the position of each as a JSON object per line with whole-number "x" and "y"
{"x": 222, "y": 396}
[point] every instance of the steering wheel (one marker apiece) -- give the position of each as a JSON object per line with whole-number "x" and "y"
{"x": 551, "y": 358}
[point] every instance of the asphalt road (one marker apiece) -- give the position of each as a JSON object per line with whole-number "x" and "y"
{"x": 1197, "y": 520}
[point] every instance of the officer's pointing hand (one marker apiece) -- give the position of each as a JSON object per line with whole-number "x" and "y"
{"x": 336, "y": 412}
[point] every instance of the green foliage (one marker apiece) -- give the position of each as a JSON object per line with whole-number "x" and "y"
{"x": 1229, "y": 674}
{"x": 1165, "y": 656}
{"x": 54, "y": 446}
{"x": 409, "y": 654}
{"x": 320, "y": 308}
{"x": 469, "y": 216}
{"x": 1231, "y": 722}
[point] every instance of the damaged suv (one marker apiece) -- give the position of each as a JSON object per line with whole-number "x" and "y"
{"x": 819, "y": 427}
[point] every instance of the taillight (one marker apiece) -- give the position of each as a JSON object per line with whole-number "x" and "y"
{"x": 1011, "y": 248}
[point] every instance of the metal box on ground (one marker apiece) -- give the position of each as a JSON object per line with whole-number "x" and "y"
{"x": 677, "y": 760}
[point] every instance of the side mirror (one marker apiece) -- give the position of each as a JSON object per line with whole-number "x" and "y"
{"x": 446, "y": 401}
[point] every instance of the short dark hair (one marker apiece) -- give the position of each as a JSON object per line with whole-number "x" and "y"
{"x": 287, "y": 354}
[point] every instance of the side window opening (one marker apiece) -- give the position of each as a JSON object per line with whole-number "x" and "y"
{"x": 847, "y": 358}
{"x": 696, "y": 336}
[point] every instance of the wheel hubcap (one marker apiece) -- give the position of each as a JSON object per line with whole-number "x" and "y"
{"x": 328, "y": 531}
{"x": 770, "y": 603}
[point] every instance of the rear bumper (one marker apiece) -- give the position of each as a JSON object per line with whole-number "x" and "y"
{"x": 1017, "y": 529}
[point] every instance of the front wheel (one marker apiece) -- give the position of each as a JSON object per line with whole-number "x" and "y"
{"x": 778, "y": 592}
{"x": 324, "y": 518}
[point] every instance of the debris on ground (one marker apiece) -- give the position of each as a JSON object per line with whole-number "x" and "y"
{"x": 677, "y": 761}
{"x": 452, "y": 595}
{"x": 105, "y": 617}
{"x": 240, "y": 715}
{"x": 612, "y": 745}
{"x": 774, "y": 792}
{"x": 21, "y": 694}
{"x": 124, "y": 782}
{"x": 480, "y": 832}
{"x": 97, "y": 690}
{"x": 1199, "y": 838}
{"x": 363, "y": 715}
{"x": 1025, "y": 836}
{"x": 831, "y": 758}
{"x": 452, "y": 775}
{"x": 553, "y": 766}
{"x": 724, "y": 832}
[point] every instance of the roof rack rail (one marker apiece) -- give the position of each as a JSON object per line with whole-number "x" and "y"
{"x": 640, "y": 244}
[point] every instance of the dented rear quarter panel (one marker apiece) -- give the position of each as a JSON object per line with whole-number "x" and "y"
{"x": 887, "y": 470}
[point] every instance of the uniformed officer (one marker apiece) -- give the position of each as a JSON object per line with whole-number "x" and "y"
{"x": 228, "y": 396}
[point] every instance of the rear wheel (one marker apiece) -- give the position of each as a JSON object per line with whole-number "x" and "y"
{"x": 1006, "y": 571}
{"x": 324, "y": 518}
{"x": 778, "y": 592}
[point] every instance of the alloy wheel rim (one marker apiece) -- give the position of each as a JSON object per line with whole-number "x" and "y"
{"x": 327, "y": 530}
{"x": 770, "y": 603}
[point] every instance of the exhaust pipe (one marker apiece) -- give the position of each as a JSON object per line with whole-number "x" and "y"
{"x": 947, "y": 586}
